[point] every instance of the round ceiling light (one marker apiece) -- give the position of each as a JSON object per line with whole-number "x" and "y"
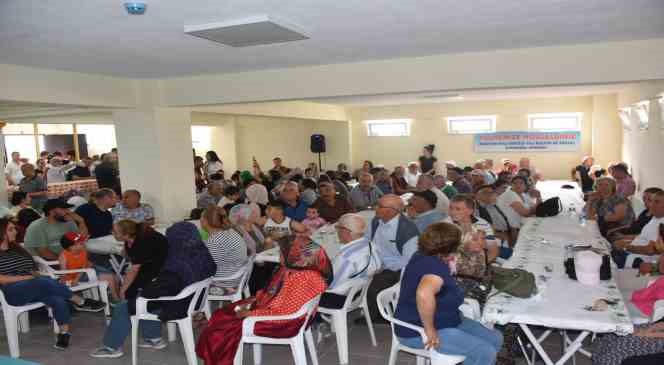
{"x": 135, "y": 8}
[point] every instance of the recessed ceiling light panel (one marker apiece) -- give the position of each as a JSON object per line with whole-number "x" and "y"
{"x": 253, "y": 31}
{"x": 135, "y": 8}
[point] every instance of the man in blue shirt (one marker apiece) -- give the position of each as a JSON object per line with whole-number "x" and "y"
{"x": 394, "y": 240}
{"x": 423, "y": 211}
{"x": 294, "y": 207}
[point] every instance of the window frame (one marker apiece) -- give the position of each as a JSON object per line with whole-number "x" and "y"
{"x": 641, "y": 114}
{"x": 625, "y": 117}
{"x": 375, "y": 122}
{"x": 533, "y": 117}
{"x": 451, "y": 120}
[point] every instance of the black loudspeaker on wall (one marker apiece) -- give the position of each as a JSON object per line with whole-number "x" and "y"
{"x": 317, "y": 143}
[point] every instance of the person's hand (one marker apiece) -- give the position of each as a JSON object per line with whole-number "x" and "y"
{"x": 593, "y": 196}
{"x": 645, "y": 268}
{"x": 620, "y": 245}
{"x": 410, "y": 212}
{"x": 74, "y": 282}
{"x": 242, "y": 314}
{"x": 534, "y": 193}
{"x": 477, "y": 242}
{"x": 433, "y": 341}
{"x": 659, "y": 245}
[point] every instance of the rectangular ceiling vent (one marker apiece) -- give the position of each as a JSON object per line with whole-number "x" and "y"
{"x": 253, "y": 31}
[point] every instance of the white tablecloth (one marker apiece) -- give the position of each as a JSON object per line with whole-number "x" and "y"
{"x": 105, "y": 245}
{"x": 551, "y": 188}
{"x": 561, "y": 302}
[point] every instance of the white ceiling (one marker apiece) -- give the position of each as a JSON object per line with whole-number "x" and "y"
{"x": 97, "y": 36}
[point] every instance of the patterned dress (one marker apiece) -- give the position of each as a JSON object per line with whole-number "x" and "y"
{"x": 611, "y": 349}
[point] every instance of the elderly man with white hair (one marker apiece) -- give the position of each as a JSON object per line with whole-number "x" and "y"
{"x": 366, "y": 194}
{"x": 355, "y": 260}
{"x": 425, "y": 182}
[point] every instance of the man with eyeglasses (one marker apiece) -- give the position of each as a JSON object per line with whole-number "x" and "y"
{"x": 394, "y": 240}
{"x": 353, "y": 261}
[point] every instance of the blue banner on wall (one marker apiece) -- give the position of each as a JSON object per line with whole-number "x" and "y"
{"x": 528, "y": 141}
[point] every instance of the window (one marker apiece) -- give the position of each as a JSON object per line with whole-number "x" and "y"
{"x": 641, "y": 112}
{"x": 388, "y": 128}
{"x": 201, "y": 139}
{"x": 624, "y": 114}
{"x": 554, "y": 122}
{"x": 100, "y": 138}
{"x": 471, "y": 125}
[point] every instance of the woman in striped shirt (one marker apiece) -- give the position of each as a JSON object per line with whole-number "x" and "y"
{"x": 226, "y": 245}
{"x": 21, "y": 284}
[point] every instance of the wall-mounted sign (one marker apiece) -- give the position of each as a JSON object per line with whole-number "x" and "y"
{"x": 528, "y": 141}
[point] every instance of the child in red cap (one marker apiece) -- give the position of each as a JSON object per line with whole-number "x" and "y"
{"x": 75, "y": 257}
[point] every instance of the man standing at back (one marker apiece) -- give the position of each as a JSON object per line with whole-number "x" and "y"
{"x": 394, "y": 240}
{"x": 13, "y": 169}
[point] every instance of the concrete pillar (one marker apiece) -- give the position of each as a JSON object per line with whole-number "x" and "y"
{"x": 3, "y": 185}
{"x": 154, "y": 149}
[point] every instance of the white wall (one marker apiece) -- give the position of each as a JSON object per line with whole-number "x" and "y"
{"x": 429, "y": 126}
{"x": 643, "y": 150}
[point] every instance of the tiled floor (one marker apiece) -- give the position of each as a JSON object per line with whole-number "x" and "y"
{"x": 37, "y": 346}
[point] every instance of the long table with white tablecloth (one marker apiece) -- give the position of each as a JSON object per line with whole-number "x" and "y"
{"x": 561, "y": 303}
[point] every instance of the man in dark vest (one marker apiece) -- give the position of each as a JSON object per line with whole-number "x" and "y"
{"x": 394, "y": 240}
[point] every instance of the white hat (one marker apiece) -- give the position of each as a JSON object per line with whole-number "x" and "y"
{"x": 76, "y": 201}
{"x": 587, "y": 266}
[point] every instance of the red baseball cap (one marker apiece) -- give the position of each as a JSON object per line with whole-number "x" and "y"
{"x": 75, "y": 237}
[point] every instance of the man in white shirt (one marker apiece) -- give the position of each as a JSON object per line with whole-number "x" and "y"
{"x": 412, "y": 174}
{"x": 425, "y": 182}
{"x": 644, "y": 246}
{"x": 13, "y": 169}
{"x": 354, "y": 260}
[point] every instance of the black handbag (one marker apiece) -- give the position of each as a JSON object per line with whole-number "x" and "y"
{"x": 549, "y": 208}
{"x": 604, "y": 270}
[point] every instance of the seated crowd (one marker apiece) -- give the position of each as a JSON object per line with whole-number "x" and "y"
{"x": 436, "y": 234}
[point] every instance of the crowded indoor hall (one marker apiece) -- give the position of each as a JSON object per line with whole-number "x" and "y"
{"x": 378, "y": 182}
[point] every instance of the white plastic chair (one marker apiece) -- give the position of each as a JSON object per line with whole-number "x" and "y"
{"x": 296, "y": 342}
{"x": 242, "y": 288}
{"x": 16, "y": 319}
{"x": 339, "y": 316}
{"x": 93, "y": 286}
{"x": 638, "y": 317}
{"x": 387, "y": 303}
{"x": 198, "y": 291}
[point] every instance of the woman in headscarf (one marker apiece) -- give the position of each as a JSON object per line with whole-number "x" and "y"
{"x": 188, "y": 261}
{"x": 305, "y": 273}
